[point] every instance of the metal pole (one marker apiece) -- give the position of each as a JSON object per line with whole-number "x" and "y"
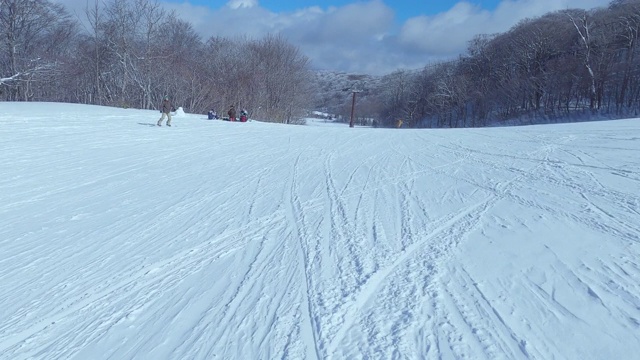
{"x": 353, "y": 105}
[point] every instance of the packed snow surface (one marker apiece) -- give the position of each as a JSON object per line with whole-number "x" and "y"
{"x": 219, "y": 240}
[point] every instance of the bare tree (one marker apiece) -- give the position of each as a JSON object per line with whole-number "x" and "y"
{"x": 179, "y": 72}
{"x": 95, "y": 38}
{"x": 35, "y": 35}
{"x": 218, "y": 70}
{"x": 396, "y": 97}
{"x": 279, "y": 91}
{"x": 152, "y": 17}
{"x": 584, "y": 25}
{"x": 625, "y": 19}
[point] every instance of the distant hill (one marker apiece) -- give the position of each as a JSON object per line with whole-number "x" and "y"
{"x": 333, "y": 90}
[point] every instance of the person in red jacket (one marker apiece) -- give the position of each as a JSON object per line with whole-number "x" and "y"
{"x": 232, "y": 113}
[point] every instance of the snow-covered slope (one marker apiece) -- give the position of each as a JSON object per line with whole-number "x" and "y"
{"x": 210, "y": 239}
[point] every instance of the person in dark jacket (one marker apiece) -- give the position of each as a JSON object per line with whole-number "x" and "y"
{"x": 165, "y": 109}
{"x": 232, "y": 113}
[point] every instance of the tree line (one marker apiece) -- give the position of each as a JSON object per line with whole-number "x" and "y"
{"x": 561, "y": 65}
{"x": 132, "y": 53}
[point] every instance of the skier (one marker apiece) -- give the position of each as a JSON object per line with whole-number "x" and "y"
{"x": 165, "y": 109}
{"x": 212, "y": 114}
{"x": 243, "y": 115}
{"x": 232, "y": 114}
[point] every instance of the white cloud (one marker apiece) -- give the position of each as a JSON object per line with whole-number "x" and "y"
{"x": 236, "y": 4}
{"x": 444, "y": 33}
{"x": 349, "y": 37}
{"x": 348, "y": 24}
{"x": 447, "y": 33}
{"x": 363, "y": 36}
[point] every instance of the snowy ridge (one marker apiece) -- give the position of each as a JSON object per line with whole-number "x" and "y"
{"x": 212, "y": 239}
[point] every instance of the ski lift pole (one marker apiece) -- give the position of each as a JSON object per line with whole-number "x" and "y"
{"x": 353, "y": 103}
{"x": 353, "y": 106}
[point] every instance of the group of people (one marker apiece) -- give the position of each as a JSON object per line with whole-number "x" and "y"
{"x": 244, "y": 115}
{"x": 166, "y": 108}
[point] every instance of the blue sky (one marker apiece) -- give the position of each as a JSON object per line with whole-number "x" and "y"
{"x": 404, "y": 9}
{"x": 363, "y": 36}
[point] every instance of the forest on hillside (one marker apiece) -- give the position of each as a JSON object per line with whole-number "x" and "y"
{"x": 131, "y": 53}
{"x": 558, "y": 66}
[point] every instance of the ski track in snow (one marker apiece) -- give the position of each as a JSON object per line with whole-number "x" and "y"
{"x": 259, "y": 241}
